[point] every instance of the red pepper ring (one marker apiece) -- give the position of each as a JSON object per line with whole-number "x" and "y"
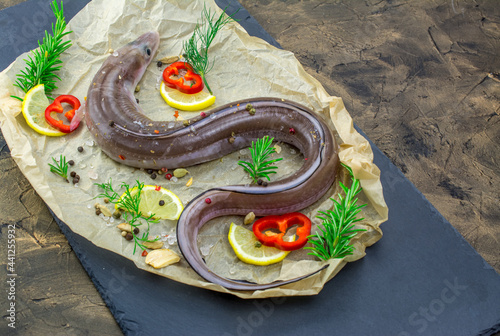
{"x": 57, "y": 108}
{"x": 173, "y": 70}
{"x": 282, "y": 224}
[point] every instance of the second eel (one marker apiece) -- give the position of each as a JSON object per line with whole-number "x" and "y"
{"x": 126, "y": 135}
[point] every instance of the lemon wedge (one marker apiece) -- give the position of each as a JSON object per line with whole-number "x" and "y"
{"x": 34, "y": 104}
{"x": 159, "y": 201}
{"x": 248, "y": 249}
{"x": 184, "y": 101}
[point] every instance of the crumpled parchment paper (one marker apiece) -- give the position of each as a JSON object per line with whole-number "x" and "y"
{"x": 244, "y": 67}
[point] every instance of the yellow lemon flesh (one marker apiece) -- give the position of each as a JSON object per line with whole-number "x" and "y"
{"x": 159, "y": 201}
{"x": 184, "y": 101}
{"x": 34, "y": 104}
{"x": 248, "y": 249}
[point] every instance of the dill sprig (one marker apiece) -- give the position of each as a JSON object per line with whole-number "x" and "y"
{"x": 60, "y": 167}
{"x": 260, "y": 165}
{"x": 333, "y": 240}
{"x": 42, "y": 65}
{"x": 195, "y": 50}
{"x": 129, "y": 203}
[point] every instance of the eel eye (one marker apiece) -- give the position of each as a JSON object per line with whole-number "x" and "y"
{"x": 148, "y": 51}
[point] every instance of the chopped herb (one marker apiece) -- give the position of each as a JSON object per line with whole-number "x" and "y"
{"x": 260, "y": 165}
{"x": 333, "y": 240}
{"x": 196, "y": 48}
{"x": 129, "y": 203}
{"x": 43, "y": 63}
{"x": 60, "y": 167}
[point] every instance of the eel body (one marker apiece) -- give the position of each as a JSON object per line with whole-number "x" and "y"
{"x": 126, "y": 135}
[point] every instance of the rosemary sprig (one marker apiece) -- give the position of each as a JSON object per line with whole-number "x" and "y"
{"x": 333, "y": 240}
{"x": 42, "y": 65}
{"x": 195, "y": 50}
{"x": 260, "y": 165}
{"x": 60, "y": 167}
{"x": 129, "y": 203}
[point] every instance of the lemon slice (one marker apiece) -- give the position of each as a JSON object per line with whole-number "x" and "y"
{"x": 159, "y": 201}
{"x": 248, "y": 249}
{"x": 34, "y": 104}
{"x": 184, "y": 101}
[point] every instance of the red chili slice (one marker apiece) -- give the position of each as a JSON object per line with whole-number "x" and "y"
{"x": 179, "y": 84}
{"x": 282, "y": 224}
{"x": 56, "y": 107}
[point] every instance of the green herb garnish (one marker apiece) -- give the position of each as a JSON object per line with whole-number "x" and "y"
{"x": 260, "y": 165}
{"x": 333, "y": 240}
{"x": 42, "y": 65}
{"x": 129, "y": 203}
{"x": 60, "y": 167}
{"x": 195, "y": 50}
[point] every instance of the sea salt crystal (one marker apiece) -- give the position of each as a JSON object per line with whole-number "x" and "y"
{"x": 115, "y": 53}
{"x": 92, "y": 175}
{"x": 82, "y": 166}
{"x": 292, "y": 151}
{"x": 243, "y": 152}
{"x": 89, "y": 143}
{"x": 75, "y": 185}
{"x": 172, "y": 239}
{"x": 173, "y": 179}
{"x": 232, "y": 270}
{"x": 89, "y": 206}
{"x": 205, "y": 250}
{"x": 171, "y": 125}
{"x": 163, "y": 236}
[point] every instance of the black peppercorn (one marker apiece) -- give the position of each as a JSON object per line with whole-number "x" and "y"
{"x": 259, "y": 181}
{"x": 136, "y": 231}
{"x": 159, "y": 64}
{"x": 75, "y": 180}
{"x": 97, "y": 211}
{"x": 80, "y": 149}
{"x": 129, "y": 236}
{"x": 150, "y": 171}
{"x": 111, "y": 123}
{"x": 71, "y": 162}
{"x": 72, "y": 174}
{"x": 153, "y": 176}
{"x": 161, "y": 202}
{"x": 264, "y": 184}
{"x": 137, "y": 100}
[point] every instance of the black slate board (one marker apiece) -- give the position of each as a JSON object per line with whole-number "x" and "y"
{"x": 422, "y": 278}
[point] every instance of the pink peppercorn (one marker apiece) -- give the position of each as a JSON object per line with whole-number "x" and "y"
{"x": 292, "y": 130}
{"x": 164, "y": 169}
{"x": 208, "y": 200}
{"x": 168, "y": 176}
{"x": 203, "y": 114}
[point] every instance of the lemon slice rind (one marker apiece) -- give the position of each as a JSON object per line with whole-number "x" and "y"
{"x": 150, "y": 202}
{"x": 33, "y": 108}
{"x": 243, "y": 242}
{"x": 186, "y": 102}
